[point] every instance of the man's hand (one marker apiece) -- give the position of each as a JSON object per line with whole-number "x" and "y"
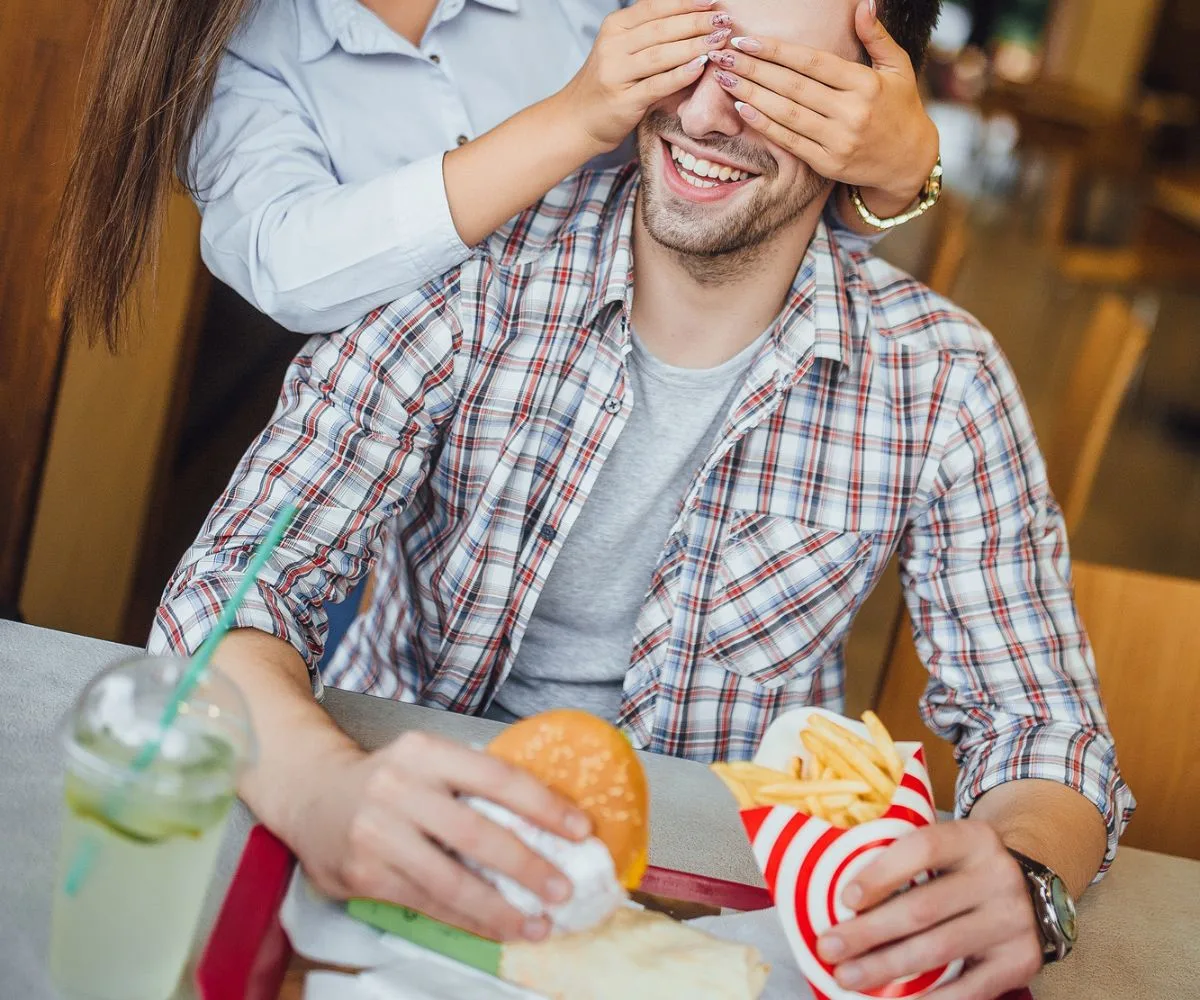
{"x": 977, "y": 908}
{"x": 388, "y": 825}
{"x": 862, "y": 125}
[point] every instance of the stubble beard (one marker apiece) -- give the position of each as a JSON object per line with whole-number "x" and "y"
{"x": 716, "y": 244}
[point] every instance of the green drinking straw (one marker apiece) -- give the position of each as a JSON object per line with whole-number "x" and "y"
{"x": 85, "y": 855}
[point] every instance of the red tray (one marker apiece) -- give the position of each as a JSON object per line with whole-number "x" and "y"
{"x": 247, "y": 955}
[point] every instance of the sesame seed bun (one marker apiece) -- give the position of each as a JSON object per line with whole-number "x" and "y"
{"x": 591, "y": 763}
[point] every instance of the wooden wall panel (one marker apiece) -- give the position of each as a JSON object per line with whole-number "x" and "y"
{"x": 41, "y": 49}
{"x": 113, "y": 439}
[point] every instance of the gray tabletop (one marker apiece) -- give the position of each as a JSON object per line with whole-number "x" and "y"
{"x": 1139, "y": 937}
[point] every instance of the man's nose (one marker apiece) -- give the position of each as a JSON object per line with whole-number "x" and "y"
{"x": 708, "y": 109}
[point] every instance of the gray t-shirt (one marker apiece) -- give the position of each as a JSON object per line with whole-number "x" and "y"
{"x": 577, "y": 646}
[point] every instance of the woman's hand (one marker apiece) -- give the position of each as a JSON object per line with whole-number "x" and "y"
{"x": 862, "y": 125}
{"x": 388, "y": 825}
{"x": 642, "y": 54}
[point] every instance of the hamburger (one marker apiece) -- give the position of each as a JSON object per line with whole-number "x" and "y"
{"x": 589, "y": 762}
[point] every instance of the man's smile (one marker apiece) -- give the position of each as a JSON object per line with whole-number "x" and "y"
{"x": 700, "y": 175}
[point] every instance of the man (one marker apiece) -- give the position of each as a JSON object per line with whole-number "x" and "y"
{"x": 646, "y": 453}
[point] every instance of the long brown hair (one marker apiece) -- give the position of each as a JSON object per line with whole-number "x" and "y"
{"x": 153, "y": 65}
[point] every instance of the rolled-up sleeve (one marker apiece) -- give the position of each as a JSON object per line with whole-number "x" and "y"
{"x": 986, "y": 574}
{"x": 349, "y": 442}
{"x": 280, "y": 228}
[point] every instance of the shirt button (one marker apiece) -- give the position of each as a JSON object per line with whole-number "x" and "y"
{"x": 435, "y": 58}
{"x": 612, "y": 404}
{"x": 462, "y": 140}
{"x": 547, "y": 532}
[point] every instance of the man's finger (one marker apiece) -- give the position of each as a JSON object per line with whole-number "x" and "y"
{"x": 460, "y": 897}
{"x": 473, "y": 836}
{"x": 401, "y": 866}
{"x": 938, "y": 847}
{"x": 1009, "y": 967}
{"x": 925, "y": 906}
{"x": 885, "y": 53}
{"x": 474, "y": 773}
{"x": 824, "y": 67}
{"x": 968, "y": 935}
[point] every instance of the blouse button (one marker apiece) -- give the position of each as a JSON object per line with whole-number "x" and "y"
{"x": 462, "y": 140}
{"x": 435, "y": 59}
{"x": 612, "y": 404}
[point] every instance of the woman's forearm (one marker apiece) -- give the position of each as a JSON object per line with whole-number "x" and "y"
{"x": 504, "y": 171}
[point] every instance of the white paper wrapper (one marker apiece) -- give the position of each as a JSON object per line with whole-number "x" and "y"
{"x": 596, "y": 892}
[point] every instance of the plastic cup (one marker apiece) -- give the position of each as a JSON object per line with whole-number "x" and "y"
{"x": 151, "y": 836}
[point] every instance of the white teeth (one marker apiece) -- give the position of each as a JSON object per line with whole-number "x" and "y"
{"x": 703, "y": 168}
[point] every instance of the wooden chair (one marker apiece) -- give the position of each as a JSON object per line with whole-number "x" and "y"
{"x": 947, "y": 245}
{"x": 1107, "y": 361}
{"x": 1147, "y": 647}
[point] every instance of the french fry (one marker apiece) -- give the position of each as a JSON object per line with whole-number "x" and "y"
{"x": 843, "y": 779}
{"x": 803, "y": 788}
{"x": 846, "y": 757}
{"x": 867, "y": 749}
{"x": 883, "y": 740}
{"x": 864, "y": 812}
{"x": 739, "y": 791}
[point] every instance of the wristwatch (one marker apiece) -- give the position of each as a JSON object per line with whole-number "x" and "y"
{"x": 1052, "y": 906}
{"x": 928, "y": 197}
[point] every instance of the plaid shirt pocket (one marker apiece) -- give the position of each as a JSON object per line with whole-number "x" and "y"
{"x": 781, "y": 597}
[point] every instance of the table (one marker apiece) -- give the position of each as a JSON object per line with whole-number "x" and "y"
{"x": 1139, "y": 927}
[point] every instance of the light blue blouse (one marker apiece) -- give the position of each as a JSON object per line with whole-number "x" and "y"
{"x": 319, "y": 166}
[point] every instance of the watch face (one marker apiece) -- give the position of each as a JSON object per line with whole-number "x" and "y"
{"x": 1064, "y": 907}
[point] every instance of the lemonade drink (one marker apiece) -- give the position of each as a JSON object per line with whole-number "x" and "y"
{"x": 125, "y": 931}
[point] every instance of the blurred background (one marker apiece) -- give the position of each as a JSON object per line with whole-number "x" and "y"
{"x": 1071, "y": 228}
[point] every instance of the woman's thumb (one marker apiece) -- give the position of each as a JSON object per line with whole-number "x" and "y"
{"x": 880, "y": 46}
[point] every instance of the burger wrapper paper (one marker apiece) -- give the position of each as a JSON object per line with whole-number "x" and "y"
{"x": 807, "y": 863}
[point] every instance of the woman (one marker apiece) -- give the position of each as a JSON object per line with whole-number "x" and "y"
{"x": 314, "y": 137}
{"x": 315, "y": 141}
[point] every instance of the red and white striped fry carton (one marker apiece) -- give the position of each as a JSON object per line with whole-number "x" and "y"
{"x": 807, "y": 863}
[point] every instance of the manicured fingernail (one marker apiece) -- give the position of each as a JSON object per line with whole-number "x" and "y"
{"x": 698, "y": 61}
{"x": 746, "y": 44}
{"x": 746, "y": 111}
{"x": 535, "y": 929}
{"x": 558, "y": 890}
{"x": 721, "y": 20}
{"x": 577, "y": 824}
{"x": 871, "y": 5}
{"x": 727, "y": 80}
{"x": 718, "y": 37}
{"x": 849, "y": 974}
{"x": 705, "y": 3}
{"x": 852, "y": 895}
{"x": 831, "y": 947}
{"x": 723, "y": 58}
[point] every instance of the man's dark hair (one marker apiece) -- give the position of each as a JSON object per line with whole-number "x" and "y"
{"x": 911, "y": 23}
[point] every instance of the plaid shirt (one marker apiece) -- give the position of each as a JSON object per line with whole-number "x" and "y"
{"x": 452, "y": 438}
